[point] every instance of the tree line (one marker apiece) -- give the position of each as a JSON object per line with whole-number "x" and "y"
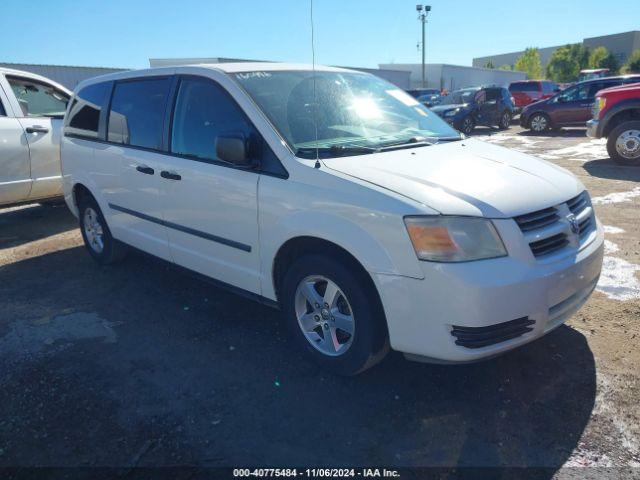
{"x": 566, "y": 62}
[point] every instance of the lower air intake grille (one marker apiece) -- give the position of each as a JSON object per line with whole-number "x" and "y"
{"x": 549, "y": 245}
{"x": 478, "y": 337}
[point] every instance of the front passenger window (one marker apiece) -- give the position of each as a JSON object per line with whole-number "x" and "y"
{"x": 203, "y": 112}
{"x": 38, "y": 99}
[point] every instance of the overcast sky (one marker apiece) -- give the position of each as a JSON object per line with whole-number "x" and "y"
{"x": 126, "y": 33}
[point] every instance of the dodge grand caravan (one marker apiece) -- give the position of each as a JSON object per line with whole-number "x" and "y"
{"x": 337, "y": 198}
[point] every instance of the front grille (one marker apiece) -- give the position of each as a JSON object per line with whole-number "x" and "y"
{"x": 549, "y": 245}
{"x": 547, "y": 233}
{"x": 579, "y": 203}
{"x": 539, "y": 219}
{"x": 478, "y": 337}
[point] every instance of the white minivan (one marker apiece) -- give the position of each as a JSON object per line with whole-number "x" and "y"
{"x": 31, "y": 111}
{"x": 336, "y": 197}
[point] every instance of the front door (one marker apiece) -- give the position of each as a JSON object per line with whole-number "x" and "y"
{"x": 210, "y": 207}
{"x": 43, "y": 108}
{"x": 131, "y": 162}
{"x": 15, "y": 171}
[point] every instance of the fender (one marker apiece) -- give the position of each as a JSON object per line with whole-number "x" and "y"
{"x": 350, "y": 236}
{"x": 628, "y": 104}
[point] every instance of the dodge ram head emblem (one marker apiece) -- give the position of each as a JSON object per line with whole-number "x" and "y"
{"x": 573, "y": 223}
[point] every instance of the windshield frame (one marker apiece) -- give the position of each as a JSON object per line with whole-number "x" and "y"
{"x": 356, "y": 141}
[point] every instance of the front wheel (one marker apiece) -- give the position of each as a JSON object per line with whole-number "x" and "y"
{"x": 467, "y": 125}
{"x": 333, "y": 314}
{"x": 539, "y": 123}
{"x": 505, "y": 120}
{"x": 623, "y": 143}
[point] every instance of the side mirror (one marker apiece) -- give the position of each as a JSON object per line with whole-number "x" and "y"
{"x": 232, "y": 148}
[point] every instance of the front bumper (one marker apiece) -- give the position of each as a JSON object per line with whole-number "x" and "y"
{"x": 594, "y": 129}
{"x": 421, "y": 313}
{"x": 524, "y": 119}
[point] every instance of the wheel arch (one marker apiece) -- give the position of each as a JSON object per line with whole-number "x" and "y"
{"x": 630, "y": 112}
{"x": 301, "y": 245}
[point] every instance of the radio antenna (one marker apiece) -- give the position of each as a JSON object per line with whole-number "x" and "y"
{"x": 315, "y": 100}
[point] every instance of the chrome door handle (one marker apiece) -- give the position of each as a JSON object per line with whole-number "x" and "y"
{"x": 146, "y": 170}
{"x": 170, "y": 175}
{"x": 37, "y": 129}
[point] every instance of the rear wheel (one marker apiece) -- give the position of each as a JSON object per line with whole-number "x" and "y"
{"x": 505, "y": 120}
{"x": 333, "y": 314}
{"x": 539, "y": 123}
{"x": 96, "y": 234}
{"x": 623, "y": 143}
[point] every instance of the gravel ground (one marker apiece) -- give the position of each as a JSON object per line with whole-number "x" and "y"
{"x": 140, "y": 364}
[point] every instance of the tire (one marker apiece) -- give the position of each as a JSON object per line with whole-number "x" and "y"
{"x": 356, "y": 338}
{"x": 539, "y": 123}
{"x": 505, "y": 120}
{"x": 623, "y": 143}
{"x": 96, "y": 234}
{"x": 467, "y": 125}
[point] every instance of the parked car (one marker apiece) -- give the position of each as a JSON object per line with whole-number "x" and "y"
{"x": 429, "y": 97}
{"x": 616, "y": 117}
{"x": 423, "y": 92}
{"x": 31, "y": 111}
{"x": 593, "y": 74}
{"x": 571, "y": 107}
{"x": 339, "y": 199}
{"x": 528, "y": 91}
{"x": 465, "y": 109}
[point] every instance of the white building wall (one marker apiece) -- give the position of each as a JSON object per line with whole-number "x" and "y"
{"x": 452, "y": 77}
{"x": 62, "y": 74}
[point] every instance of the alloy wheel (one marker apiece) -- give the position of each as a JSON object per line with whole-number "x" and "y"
{"x": 539, "y": 123}
{"x": 93, "y": 230}
{"x": 324, "y": 315}
{"x": 467, "y": 126}
{"x": 628, "y": 144}
{"x": 506, "y": 120}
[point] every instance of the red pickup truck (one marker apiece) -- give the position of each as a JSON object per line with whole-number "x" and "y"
{"x": 616, "y": 117}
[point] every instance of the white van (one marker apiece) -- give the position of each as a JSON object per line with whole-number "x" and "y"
{"x": 31, "y": 111}
{"x": 336, "y": 197}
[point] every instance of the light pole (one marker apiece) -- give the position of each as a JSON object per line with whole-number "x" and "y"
{"x": 423, "y": 11}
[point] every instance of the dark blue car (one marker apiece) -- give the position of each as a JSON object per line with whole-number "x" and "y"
{"x": 468, "y": 107}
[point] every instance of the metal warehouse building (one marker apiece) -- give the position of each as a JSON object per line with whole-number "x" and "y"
{"x": 620, "y": 44}
{"x": 452, "y": 77}
{"x": 62, "y": 74}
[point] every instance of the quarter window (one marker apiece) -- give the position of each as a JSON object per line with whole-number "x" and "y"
{"x": 38, "y": 99}
{"x": 203, "y": 112}
{"x": 84, "y": 114}
{"x": 2, "y": 112}
{"x": 137, "y": 112}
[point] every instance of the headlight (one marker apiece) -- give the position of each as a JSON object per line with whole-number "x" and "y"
{"x": 598, "y": 106}
{"x": 451, "y": 113}
{"x": 454, "y": 239}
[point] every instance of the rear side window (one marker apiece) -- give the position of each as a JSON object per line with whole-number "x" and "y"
{"x": 204, "y": 111}
{"x": 38, "y": 99}
{"x": 492, "y": 94}
{"x": 597, "y": 86}
{"x": 137, "y": 112}
{"x": 84, "y": 115}
{"x": 524, "y": 87}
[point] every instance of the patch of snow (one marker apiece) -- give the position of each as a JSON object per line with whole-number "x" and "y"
{"x": 610, "y": 247}
{"x": 592, "y": 150}
{"x": 618, "y": 279}
{"x": 612, "y": 230}
{"x": 617, "y": 197}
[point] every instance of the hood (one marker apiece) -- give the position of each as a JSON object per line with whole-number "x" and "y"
{"x": 466, "y": 177}
{"x": 621, "y": 88}
{"x": 444, "y": 108}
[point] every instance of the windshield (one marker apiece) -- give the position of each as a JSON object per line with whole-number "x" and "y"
{"x": 350, "y": 110}
{"x": 460, "y": 96}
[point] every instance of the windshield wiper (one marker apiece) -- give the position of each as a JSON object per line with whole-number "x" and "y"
{"x": 336, "y": 150}
{"x": 408, "y": 143}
